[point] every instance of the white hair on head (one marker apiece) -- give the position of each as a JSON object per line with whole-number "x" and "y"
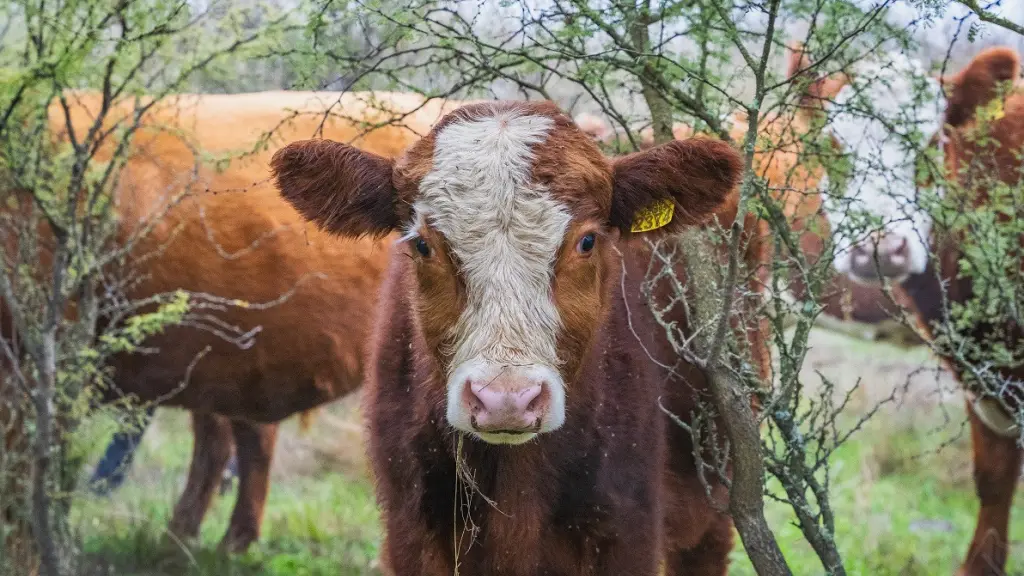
{"x": 504, "y": 230}
{"x": 883, "y": 119}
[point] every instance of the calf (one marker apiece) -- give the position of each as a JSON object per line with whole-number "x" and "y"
{"x": 512, "y": 400}
{"x": 908, "y": 252}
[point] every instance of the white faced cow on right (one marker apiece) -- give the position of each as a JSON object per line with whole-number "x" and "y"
{"x": 513, "y": 350}
{"x": 880, "y": 122}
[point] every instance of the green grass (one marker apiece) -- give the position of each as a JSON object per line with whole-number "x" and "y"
{"x": 313, "y": 527}
{"x": 317, "y": 525}
{"x": 903, "y": 506}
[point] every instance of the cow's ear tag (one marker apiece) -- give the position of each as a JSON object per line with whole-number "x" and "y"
{"x": 654, "y": 216}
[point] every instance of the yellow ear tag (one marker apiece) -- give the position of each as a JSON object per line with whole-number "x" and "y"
{"x": 992, "y": 112}
{"x": 654, "y": 216}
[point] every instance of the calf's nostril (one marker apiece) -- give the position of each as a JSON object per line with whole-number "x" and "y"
{"x": 471, "y": 400}
{"x": 542, "y": 398}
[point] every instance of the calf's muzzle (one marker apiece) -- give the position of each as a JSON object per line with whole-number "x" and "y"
{"x": 505, "y": 404}
{"x": 880, "y": 256}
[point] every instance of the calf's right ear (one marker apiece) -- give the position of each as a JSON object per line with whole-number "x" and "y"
{"x": 342, "y": 189}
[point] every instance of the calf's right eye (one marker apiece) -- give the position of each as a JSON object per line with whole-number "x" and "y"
{"x": 422, "y": 247}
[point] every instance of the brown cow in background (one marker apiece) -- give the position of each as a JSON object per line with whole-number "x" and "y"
{"x": 906, "y": 251}
{"x": 997, "y": 436}
{"x": 229, "y": 235}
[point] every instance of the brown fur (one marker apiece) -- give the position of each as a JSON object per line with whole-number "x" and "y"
{"x": 232, "y": 236}
{"x": 444, "y": 295}
{"x": 571, "y": 171}
{"x": 978, "y": 82}
{"x": 614, "y": 490}
{"x": 697, "y": 164}
{"x": 211, "y": 448}
{"x": 319, "y": 164}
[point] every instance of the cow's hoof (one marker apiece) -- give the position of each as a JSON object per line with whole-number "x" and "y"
{"x": 176, "y": 540}
{"x": 183, "y": 529}
{"x": 236, "y": 542}
{"x": 984, "y": 569}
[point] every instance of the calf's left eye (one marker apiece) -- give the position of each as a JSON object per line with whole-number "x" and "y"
{"x": 586, "y": 244}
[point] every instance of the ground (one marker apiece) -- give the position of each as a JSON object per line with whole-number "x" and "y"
{"x": 901, "y": 488}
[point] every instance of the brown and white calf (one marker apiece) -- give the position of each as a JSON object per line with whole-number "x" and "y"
{"x": 512, "y": 400}
{"x": 904, "y": 249}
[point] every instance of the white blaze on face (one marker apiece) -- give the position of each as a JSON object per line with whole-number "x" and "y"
{"x": 505, "y": 232}
{"x": 883, "y": 120}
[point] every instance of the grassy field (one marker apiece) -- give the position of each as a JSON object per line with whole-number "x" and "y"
{"x": 902, "y": 488}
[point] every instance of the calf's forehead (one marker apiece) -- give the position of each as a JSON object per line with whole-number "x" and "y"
{"x": 480, "y": 193}
{"x": 481, "y": 167}
{"x": 496, "y": 156}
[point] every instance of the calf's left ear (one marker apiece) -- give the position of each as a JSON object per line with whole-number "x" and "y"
{"x": 340, "y": 188}
{"x": 677, "y": 184}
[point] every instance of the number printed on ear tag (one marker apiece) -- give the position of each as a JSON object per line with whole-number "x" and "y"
{"x": 654, "y": 216}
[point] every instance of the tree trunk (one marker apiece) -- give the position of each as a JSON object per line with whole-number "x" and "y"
{"x": 41, "y": 504}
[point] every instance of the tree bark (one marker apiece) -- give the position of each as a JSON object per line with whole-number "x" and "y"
{"x": 732, "y": 401}
{"x": 746, "y": 494}
{"x": 41, "y": 505}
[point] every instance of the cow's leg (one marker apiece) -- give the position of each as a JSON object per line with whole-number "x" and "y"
{"x": 210, "y": 451}
{"x": 254, "y": 446}
{"x": 997, "y": 462}
{"x": 710, "y": 557}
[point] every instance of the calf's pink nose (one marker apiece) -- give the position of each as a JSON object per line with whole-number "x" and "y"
{"x": 496, "y": 408}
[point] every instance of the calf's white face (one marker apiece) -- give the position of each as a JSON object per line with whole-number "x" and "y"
{"x": 509, "y": 214}
{"x": 882, "y": 121}
{"x": 505, "y": 230}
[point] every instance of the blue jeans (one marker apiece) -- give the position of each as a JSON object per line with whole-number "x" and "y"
{"x": 111, "y": 469}
{"x": 117, "y": 460}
